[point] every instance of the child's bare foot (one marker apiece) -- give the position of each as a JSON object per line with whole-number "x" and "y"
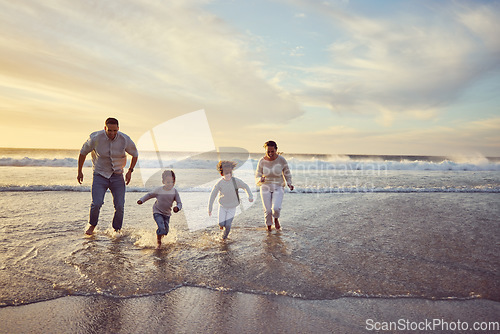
{"x": 220, "y": 227}
{"x": 90, "y": 230}
{"x": 277, "y": 223}
{"x": 158, "y": 239}
{"x": 269, "y": 228}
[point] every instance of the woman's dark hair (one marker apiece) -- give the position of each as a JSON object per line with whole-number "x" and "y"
{"x": 166, "y": 173}
{"x": 271, "y": 143}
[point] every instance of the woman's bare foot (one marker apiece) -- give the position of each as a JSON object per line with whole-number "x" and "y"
{"x": 277, "y": 223}
{"x": 90, "y": 230}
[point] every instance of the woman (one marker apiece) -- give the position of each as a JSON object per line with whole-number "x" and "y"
{"x": 271, "y": 174}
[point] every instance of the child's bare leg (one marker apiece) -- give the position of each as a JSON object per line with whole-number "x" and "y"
{"x": 158, "y": 239}
{"x": 90, "y": 230}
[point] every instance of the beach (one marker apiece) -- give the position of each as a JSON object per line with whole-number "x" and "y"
{"x": 364, "y": 246}
{"x": 373, "y": 126}
{"x": 198, "y": 310}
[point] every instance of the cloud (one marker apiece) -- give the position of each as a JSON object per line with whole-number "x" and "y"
{"x": 482, "y": 20}
{"x": 481, "y": 136}
{"x": 68, "y": 65}
{"x": 414, "y": 64}
{"x": 147, "y": 61}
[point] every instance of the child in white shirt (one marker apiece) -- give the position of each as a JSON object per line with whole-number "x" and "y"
{"x": 229, "y": 199}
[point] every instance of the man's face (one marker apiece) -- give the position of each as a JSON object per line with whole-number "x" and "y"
{"x": 111, "y": 130}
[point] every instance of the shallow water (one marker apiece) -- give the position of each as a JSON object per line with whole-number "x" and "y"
{"x": 401, "y": 229}
{"x": 436, "y": 246}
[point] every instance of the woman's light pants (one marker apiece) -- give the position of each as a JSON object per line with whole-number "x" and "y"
{"x": 272, "y": 198}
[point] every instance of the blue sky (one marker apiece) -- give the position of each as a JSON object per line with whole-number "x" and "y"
{"x": 336, "y": 77}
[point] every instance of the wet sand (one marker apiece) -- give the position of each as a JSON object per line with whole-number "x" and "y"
{"x": 200, "y": 310}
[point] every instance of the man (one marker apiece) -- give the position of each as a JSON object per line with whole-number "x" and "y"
{"x": 108, "y": 149}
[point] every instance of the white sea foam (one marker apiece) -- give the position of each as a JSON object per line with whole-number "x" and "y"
{"x": 44, "y": 162}
{"x": 364, "y": 188}
{"x": 298, "y": 164}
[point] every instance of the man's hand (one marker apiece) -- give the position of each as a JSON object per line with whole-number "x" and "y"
{"x": 128, "y": 177}
{"x": 80, "y": 177}
{"x": 81, "y": 161}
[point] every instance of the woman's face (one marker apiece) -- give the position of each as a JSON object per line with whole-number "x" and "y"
{"x": 271, "y": 152}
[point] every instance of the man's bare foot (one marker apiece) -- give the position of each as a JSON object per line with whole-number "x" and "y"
{"x": 269, "y": 228}
{"x": 277, "y": 223}
{"x": 90, "y": 230}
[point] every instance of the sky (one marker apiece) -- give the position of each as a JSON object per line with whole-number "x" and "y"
{"x": 330, "y": 77}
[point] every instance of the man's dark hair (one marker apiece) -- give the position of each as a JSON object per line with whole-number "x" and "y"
{"x": 111, "y": 120}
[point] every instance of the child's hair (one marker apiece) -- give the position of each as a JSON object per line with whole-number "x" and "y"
{"x": 166, "y": 173}
{"x": 225, "y": 164}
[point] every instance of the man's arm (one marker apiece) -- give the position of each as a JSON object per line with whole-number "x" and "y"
{"x": 81, "y": 161}
{"x": 128, "y": 176}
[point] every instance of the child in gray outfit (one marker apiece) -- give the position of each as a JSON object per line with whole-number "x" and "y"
{"x": 165, "y": 197}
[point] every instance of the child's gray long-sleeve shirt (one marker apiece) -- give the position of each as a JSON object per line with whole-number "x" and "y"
{"x": 164, "y": 200}
{"x": 227, "y": 192}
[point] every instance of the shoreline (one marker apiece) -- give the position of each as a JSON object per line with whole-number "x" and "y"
{"x": 257, "y": 293}
{"x": 196, "y": 309}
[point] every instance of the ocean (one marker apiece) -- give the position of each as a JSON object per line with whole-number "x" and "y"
{"x": 355, "y": 226}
